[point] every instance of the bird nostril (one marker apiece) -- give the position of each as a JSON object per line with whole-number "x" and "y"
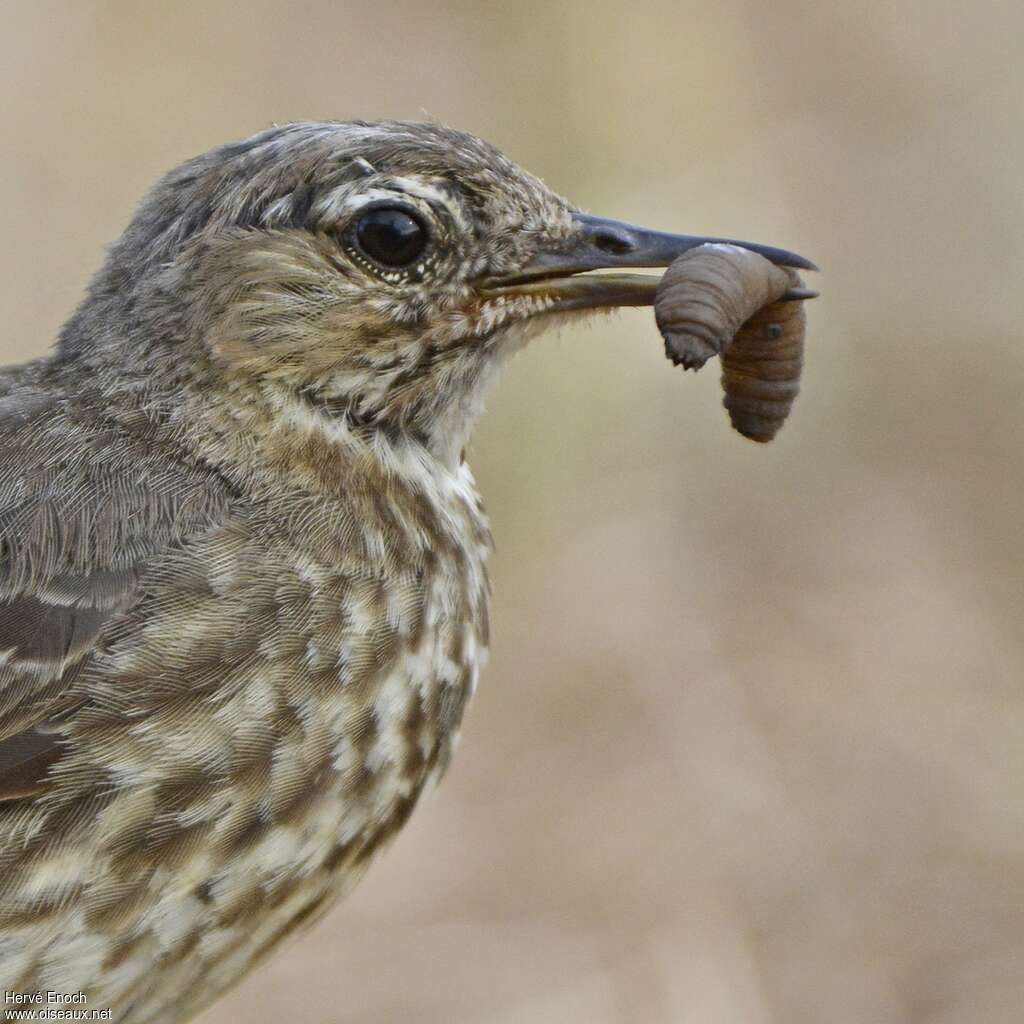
{"x": 613, "y": 244}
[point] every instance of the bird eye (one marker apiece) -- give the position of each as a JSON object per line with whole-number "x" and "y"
{"x": 391, "y": 236}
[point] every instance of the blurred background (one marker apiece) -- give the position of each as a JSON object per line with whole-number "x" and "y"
{"x": 751, "y": 743}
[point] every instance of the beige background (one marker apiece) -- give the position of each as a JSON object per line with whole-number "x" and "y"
{"x": 749, "y": 748}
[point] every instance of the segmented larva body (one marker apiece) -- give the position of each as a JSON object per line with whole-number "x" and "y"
{"x": 761, "y": 369}
{"x": 725, "y": 300}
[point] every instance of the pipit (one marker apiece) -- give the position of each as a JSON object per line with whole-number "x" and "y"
{"x": 243, "y": 587}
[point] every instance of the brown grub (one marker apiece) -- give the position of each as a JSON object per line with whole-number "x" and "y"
{"x": 728, "y": 301}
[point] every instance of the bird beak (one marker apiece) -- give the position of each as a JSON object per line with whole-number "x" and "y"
{"x": 559, "y": 273}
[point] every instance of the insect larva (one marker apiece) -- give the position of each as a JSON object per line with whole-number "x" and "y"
{"x": 761, "y": 369}
{"x": 725, "y": 300}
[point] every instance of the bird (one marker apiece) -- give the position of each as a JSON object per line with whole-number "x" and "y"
{"x": 243, "y": 561}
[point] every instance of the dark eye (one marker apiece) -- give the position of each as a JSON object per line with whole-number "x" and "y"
{"x": 391, "y": 236}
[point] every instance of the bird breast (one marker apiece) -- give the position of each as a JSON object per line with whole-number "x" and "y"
{"x": 260, "y": 724}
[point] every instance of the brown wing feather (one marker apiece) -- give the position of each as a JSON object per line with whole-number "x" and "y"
{"x": 25, "y": 759}
{"x": 87, "y": 506}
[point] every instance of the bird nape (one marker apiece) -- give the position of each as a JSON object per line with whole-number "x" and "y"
{"x": 243, "y": 588}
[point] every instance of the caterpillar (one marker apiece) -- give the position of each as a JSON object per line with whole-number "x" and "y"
{"x": 728, "y": 301}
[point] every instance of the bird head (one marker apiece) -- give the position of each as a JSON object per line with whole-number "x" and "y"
{"x": 374, "y": 273}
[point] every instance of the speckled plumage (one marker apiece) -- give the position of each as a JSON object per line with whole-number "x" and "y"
{"x": 243, "y": 584}
{"x": 257, "y": 714}
{"x": 243, "y": 588}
